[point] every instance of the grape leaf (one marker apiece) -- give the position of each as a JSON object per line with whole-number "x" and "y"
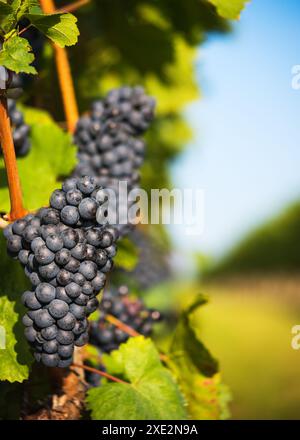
{"x": 127, "y": 256}
{"x": 8, "y": 16}
{"x": 207, "y": 398}
{"x": 229, "y": 9}
{"x": 151, "y": 393}
{"x": 187, "y": 348}
{"x": 16, "y": 55}
{"x": 15, "y": 358}
{"x": 5, "y": 10}
{"x": 51, "y": 157}
{"x": 60, "y": 28}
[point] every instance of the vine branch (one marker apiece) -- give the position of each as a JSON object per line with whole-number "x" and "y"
{"x": 15, "y": 193}
{"x": 64, "y": 75}
{"x": 129, "y": 331}
{"x": 124, "y": 327}
{"x": 101, "y": 373}
{"x": 72, "y": 7}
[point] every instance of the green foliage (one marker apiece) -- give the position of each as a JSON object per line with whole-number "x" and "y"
{"x": 59, "y": 28}
{"x": 196, "y": 370}
{"x": 168, "y": 33}
{"x": 51, "y": 157}
{"x": 151, "y": 393}
{"x": 16, "y": 55}
{"x": 248, "y": 326}
{"x": 15, "y": 359}
{"x": 272, "y": 247}
{"x": 188, "y": 349}
{"x": 127, "y": 256}
{"x": 5, "y": 11}
{"x": 230, "y": 9}
{"x": 16, "y": 52}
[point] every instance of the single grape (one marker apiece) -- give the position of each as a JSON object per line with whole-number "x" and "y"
{"x": 66, "y": 351}
{"x": 58, "y": 199}
{"x": 58, "y": 308}
{"x": 45, "y": 293}
{"x": 67, "y": 322}
{"x": 73, "y": 290}
{"x": 43, "y": 319}
{"x": 54, "y": 242}
{"x": 65, "y": 337}
{"x": 69, "y": 215}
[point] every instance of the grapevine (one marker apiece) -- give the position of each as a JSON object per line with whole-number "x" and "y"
{"x": 85, "y": 337}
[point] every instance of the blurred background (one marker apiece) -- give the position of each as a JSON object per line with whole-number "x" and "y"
{"x": 227, "y": 123}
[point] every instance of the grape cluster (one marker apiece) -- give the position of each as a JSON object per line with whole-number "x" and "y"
{"x": 108, "y": 139}
{"x": 130, "y": 311}
{"x": 66, "y": 255}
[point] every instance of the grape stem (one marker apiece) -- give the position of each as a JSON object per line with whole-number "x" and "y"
{"x": 100, "y": 373}
{"x": 130, "y": 331}
{"x": 64, "y": 75}
{"x": 124, "y": 327}
{"x": 25, "y": 29}
{"x": 72, "y": 7}
{"x": 15, "y": 193}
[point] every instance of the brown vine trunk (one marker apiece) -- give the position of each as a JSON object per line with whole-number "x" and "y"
{"x": 67, "y": 401}
{"x": 9, "y": 155}
{"x": 64, "y": 76}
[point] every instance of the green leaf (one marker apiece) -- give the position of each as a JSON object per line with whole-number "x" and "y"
{"x": 8, "y": 16}
{"x": 207, "y": 398}
{"x": 151, "y": 393}
{"x": 127, "y": 256}
{"x": 5, "y": 10}
{"x": 187, "y": 348}
{"x": 60, "y": 28}
{"x": 15, "y": 358}
{"x": 229, "y": 9}
{"x": 16, "y": 55}
{"x": 51, "y": 157}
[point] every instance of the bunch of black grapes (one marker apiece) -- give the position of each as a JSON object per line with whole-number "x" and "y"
{"x": 130, "y": 311}
{"x": 109, "y": 140}
{"x": 66, "y": 255}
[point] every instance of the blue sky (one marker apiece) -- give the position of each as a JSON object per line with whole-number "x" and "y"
{"x": 246, "y": 149}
